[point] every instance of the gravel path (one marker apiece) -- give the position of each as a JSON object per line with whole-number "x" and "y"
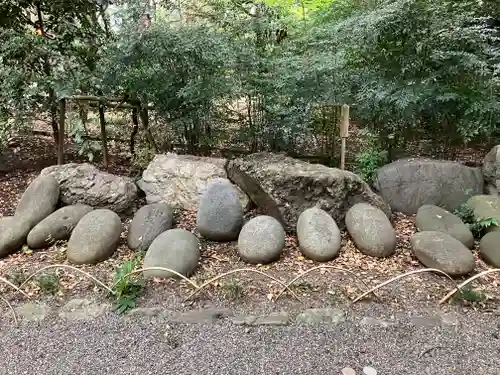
{"x": 115, "y": 345}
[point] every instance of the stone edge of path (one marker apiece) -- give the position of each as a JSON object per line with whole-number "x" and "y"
{"x": 87, "y": 309}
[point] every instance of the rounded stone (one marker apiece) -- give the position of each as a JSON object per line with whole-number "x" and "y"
{"x": 57, "y": 226}
{"x": 220, "y": 215}
{"x": 489, "y": 248}
{"x": 485, "y": 207}
{"x": 95, "y": 237}
{"x": 368, "y": 370}
{"x": 39, "y": 200}
{"x": 371, "y": 230}
{"x": 348, "y": 371}
{"x": 261, "y": 240}
{"x": 434, "y": 218}
{"x": 13, "y": 232}
{"x": 441, "y": 251}
{"x": 148, "y": 223}
{"x": 318, "y": 235}
{"x": 176, "y": 249}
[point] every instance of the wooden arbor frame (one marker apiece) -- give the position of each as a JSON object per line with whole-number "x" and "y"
{"x": 101, "y": 103}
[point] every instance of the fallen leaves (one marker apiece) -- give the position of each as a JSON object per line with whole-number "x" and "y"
{"x": 218, "y": 258}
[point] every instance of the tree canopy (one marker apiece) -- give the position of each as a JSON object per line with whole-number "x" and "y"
{"x": 410, "y": 69}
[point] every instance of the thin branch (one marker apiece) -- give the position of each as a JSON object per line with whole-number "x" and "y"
{"x": 402, "y": 276}
{"x": 204, "y": 285}
{"x": 40, "y": 18}
{"x": 160, "y": 269}
{"x": 430, "y": 349}
{"x": 5, "y": 281}
{"x": 469, "y": 280}
{"x": 14, "y": 315}
{"x": 97, "y": 281}
{"x": 322, "y": 267}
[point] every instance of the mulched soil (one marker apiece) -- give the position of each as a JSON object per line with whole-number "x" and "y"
{"x": 322, "y": 287}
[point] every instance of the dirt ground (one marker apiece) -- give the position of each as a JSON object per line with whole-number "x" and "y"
{"x": 247, "y": 289}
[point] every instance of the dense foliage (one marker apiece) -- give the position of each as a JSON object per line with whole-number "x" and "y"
{"x": 410, "y": 69}
{"x": 45, "y": 47}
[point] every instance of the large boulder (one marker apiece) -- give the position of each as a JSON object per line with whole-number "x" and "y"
{"x": 13, "y": 232}
{"x": 441, "y": 251}
{"x": 57, "y": 226}
{"x": 95, "y": 237}
{"x": 284, "y": 187}
{"x": 176, "y": 249}
{"x": 38, "y": 201}
{"x": 408, "y": 184}
{"x": 261, "y": 240}
{"x": 220, "y": 215}
{"x": 489, "y": 248}
{"x": 318, "y": 235}
{"x": 179, "y": 180}
{"x": 85, "y": 184}
{"x": 148, "y": 223}
{"x": 434, "y": 218}
{"x": 491, "y": 169}
{"x": 486, "y": 207}
{"x": 371, "y": 230}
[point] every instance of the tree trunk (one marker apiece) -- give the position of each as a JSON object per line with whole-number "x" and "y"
{"x": 47, "y": 70}
{"x": 135, "y": 121}
{"x": 102, "y": 121}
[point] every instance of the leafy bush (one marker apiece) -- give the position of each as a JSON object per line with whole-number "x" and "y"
{"x": 413, "y": 69}
{"x": 368, "y": 162}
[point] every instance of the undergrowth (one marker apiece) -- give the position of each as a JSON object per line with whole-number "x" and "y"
{"x": 479, "y": 226}
{"x": 470, "y": 296}
{"x": 48, "y": 282}
{"x": 371, "y": 158}
{"x": 127, "y": 289}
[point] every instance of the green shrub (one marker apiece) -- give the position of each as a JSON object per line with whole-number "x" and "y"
{"x": 368, "y": 162}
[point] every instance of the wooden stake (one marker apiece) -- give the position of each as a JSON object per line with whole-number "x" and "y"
{"x": 344, "y": 133}
{"x": 104, "y": 141}
{"x": 60, "y": 139}
{"x": 342, "y": 153}
{"x": 344, "y": 121}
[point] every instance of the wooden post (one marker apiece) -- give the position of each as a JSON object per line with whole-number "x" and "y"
{"x": 60, "y": 138}
{"x": 104, "y": 141}
{"x": 344, "y": 133}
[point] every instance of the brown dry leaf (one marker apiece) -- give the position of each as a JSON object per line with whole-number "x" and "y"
{"x": 217, "y": 258}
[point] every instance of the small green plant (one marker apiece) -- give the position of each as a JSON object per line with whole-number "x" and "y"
{"x": 481, "y": 226}
{"x": 369, "y": 161}
{"x": 470, "y": 296}
{"x": 127, "y": 289}
{"x": 372, "y": 156}
{"x": 233, "y": 289}
{"x": 48, "y": 282}
{"x": 466, "y": 213}
{"x": 478, "y": 227}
